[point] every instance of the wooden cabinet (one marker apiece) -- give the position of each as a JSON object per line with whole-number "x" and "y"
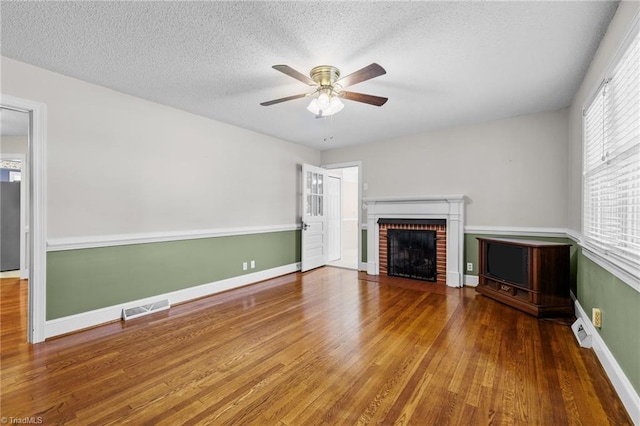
{"x": 529, "y": 275}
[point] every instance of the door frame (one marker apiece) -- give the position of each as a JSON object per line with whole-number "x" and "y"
{"x": 24, "y": 185}
{"x": 36, "y": 166}
{"x": 362, "y": 266}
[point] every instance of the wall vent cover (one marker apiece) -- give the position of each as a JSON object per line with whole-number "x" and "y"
{"x": 582, "y": 336}
{"x": 138, "y": 311}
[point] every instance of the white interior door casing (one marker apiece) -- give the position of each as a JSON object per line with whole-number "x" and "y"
{"x": 36, "y": 163}
{"x": 314, "y": 218}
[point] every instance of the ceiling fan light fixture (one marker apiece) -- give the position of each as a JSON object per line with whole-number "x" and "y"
{"x": 325, "y": 105}
{"x": 324, "y": 102}
{"x": 336, "y": 104}
{"x": 313, "y": 106}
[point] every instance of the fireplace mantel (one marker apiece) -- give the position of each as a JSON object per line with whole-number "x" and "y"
{"x": 448, "y": 207}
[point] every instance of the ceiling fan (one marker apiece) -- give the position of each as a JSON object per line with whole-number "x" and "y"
{"x": 328, "y": 88}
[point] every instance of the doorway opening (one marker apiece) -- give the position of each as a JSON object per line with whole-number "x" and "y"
{"x": 32, "y": 177}
{"x": 346, "y": 251}
{"x": 14, "y": 247}
{"x": 12, "y": 215}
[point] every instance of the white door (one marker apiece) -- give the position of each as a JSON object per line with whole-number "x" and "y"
{"x": 314, "y": 218}
{"x": 334, "y": 219}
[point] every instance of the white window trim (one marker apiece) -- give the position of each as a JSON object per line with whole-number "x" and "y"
{"x": 627, "y": 273}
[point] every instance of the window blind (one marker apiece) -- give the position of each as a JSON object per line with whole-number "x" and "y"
{"x": 611, "y": 164}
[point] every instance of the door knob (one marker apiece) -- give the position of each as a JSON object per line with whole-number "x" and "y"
{"x": 305, "y": 226}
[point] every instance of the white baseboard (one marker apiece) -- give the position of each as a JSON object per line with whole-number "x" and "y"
{"x": 628, "y": 395}
{"x": 100, "y": 316}
{"x": 471, "y": 280}
{"x": 370, "y": 267}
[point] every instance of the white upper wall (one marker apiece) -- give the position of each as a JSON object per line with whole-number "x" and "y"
{"x": 605, "y": 54}
{"x": 117, "y": 164}
{"x": 513, "y": 171}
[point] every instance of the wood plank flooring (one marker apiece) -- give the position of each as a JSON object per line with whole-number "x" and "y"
{"x": 327, "y": 347}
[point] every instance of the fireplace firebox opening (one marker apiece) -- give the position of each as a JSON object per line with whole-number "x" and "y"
{"x": 411, "y": 254}
{"x": 422, "y": 256}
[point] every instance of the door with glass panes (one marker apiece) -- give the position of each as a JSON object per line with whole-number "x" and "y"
{"x": 314, "y": 218}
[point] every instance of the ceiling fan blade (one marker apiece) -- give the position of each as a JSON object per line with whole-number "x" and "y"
{"x": 361, "y": 97}
{"x": 286, "y": 69}
{"x": 288, "y": 98}
{"x": 366, "y": 73}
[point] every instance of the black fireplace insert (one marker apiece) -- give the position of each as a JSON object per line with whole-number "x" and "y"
{"x": 411, "y": 254}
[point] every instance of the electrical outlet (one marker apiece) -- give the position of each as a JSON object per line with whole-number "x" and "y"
{"x": 596, "y": 317}
{"x": 244, "y": 266}
{"x": 469, "y": 266}
{"x": 253, "y": 264}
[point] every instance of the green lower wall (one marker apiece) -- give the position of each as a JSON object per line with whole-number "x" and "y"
{"x": 620, "y": 307}
{"x": 363, "y": 256}
{"x": 87, "y": 279}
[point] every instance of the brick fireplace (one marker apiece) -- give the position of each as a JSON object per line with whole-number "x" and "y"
{"x": 444, "y": 214}
{"x": 438, "y": 226}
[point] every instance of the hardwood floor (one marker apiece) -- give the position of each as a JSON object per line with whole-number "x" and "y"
{"x": 330, "y": 346}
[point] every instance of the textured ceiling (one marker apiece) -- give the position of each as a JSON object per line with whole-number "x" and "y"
{"x": 448, "y": 63}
